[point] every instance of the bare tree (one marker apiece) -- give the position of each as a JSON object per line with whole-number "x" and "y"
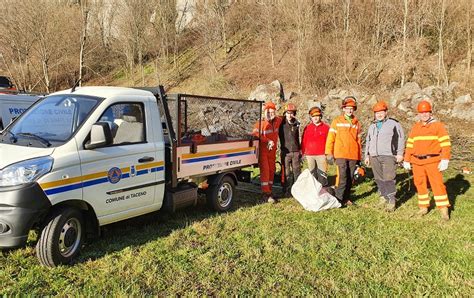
{"x": 85, "y": 21}
{"x": 404, "y": 48}
{"x": 346, "y": 4}
{"x": 103, "y": 16}
{"x": 209, "y": 29}
{"x": 470, "y": 42}
{"x": 15, "y": 46}
{"x": 134, "y": 28}
{"x": 440, "y": 24}
{"x": 268, "y": 15}
{"x": 309, "y": 43}
{"x": 41, "y": 42}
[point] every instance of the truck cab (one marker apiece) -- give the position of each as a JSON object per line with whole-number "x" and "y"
{"x": 80, "y": 159}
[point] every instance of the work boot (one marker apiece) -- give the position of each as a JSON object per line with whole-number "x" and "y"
{"x": 286, "y": 192}
{"x": 348, "y": 203}
{"x": 390, "y": 207}
{"x": 391, "y": 203}
{"x": 423, "y": 211}
{"x": 382, "y": 202}
{"x": 444, "y": 213}
{"x": 265, "y": 197}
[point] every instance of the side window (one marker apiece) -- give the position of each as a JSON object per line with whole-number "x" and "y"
{"x": 126, "y": 121}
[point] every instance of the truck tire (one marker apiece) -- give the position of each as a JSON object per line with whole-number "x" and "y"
{"x": 61, "y": 238}
{"x": 220, "y": 196}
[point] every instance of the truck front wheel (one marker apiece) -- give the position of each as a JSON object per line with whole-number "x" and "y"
{"x": 220, "y": 197}
{"x": 61, "y": 239}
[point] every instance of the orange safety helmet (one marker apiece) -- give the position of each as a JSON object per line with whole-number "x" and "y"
{"x": 269, "y": 105}
{"x": 424, "y": 106}
{"x": 380, "y": 106}
{"x": 315, "y": 111}
{"x": 290, "y": 108}
{"x": 349, "y": 101}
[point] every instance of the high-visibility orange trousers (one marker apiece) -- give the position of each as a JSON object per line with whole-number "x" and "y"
{"x": 266, "y": 162}
{"x": 429, "y": 172}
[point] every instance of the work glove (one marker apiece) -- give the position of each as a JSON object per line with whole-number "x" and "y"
{"x": 406, "y": 165}
{"x": 443, "y": 165}
{"x": 270, "y": 145}
{"x": 330, "y": 159}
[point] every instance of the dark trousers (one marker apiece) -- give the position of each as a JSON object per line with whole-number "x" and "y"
{"x": 345, "y": 175}
{"x": 385, "y": 171}
{"x": 291, "y": 168}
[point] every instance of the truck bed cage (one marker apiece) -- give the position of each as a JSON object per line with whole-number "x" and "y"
{"x": 190, "y": 121}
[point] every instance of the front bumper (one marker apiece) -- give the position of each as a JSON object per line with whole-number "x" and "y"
{"x": 20, "y": 208}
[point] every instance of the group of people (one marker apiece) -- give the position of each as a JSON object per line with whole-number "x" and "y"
{"x": 426, "y": 153}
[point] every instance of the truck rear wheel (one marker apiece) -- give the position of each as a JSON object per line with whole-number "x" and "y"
{"x": 220, "y": 197}
{"x": 61, "y": 239}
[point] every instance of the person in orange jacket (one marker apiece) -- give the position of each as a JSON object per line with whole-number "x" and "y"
{"x": 343, "y": 146}
{"x": 268, "y": 129}
{"x": 427, "y": 152}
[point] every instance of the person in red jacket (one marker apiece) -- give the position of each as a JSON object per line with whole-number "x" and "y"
{"x": 344, "y": 147}
{"x": 313, "y": 142}
{"x": 267, "y": 129}
{"x": 428, "y": 151}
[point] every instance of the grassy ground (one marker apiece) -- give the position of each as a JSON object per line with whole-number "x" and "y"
{"x": 262, "y": 249}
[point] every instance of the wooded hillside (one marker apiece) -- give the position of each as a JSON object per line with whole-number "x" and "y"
{"x": 233, "y": 45}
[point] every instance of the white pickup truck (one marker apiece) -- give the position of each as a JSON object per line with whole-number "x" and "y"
{"x": 13, "y": 105}
{"x": 83, "y": 158}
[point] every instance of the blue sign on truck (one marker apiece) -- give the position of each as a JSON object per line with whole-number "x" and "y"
{"x": 13, "y": 105}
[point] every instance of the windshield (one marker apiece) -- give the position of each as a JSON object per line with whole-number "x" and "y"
{"x": 51, "y": 121}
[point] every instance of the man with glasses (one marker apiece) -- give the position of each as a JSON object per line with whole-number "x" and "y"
{"x": 343, "y": 147}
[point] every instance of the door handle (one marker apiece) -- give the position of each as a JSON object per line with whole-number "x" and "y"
{"x": 146, "y": 159}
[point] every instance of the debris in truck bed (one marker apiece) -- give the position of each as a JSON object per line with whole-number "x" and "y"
{"x": 211, "y": 120}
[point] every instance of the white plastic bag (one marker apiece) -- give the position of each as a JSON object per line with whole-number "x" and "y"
{"x": 311, "y": 195}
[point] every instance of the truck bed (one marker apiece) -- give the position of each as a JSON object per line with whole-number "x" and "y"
{"x": 211, "y": 134}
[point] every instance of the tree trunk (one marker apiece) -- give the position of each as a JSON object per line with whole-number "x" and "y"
{"x": 223, "y": 29}
{"x": 300, "y": 35}
{"x": 469, "y": 45}
{"x": 268, "y": 12}
{"x": 272, "y": 52}
{"x": 85, "y": 17}
{"x": 441, "y": 70}
{"x": 140, "y": 61}
{"x": 347, "y": 4}
{"x": 46, "y": 74}
{"x": 405, "y": 15}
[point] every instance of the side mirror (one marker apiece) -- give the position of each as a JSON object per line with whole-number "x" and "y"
{"x": 101, "y": 136}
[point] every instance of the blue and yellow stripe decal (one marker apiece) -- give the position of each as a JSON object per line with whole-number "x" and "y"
{"x": 212, "y": 155}
{"x": 64, "y": 185}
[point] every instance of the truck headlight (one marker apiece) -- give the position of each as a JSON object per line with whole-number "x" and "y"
{"x": 25, "y": 171}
